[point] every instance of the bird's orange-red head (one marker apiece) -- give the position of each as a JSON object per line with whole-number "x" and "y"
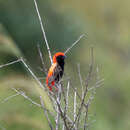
{"x": 56, "y": 55}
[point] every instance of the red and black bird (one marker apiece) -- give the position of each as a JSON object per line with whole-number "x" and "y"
{"x": 56, "y": 71}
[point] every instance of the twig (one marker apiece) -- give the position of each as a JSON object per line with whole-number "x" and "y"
{"x": 46, "y": 114}
{"x": 87, "y": 83}
{"x": 68, "y": 49}
{"x": 33, "y": 102}
{"x": 97, "y": 85}
{"x": 27, "y": 67}
{"x": 26, "y": 97}
{"x": 62, "y": 115}
{"x": 85, "y": 119}
{"x": 85, "y": 92}
{"x": 64, "y": 98}
{"x": 75, "y": 104}
{"x": 86, "y": 113}
{"x": 58, "y": 99}
{"x": 10, "y": 63}
{"x": 54, "y": 103}
{"x": 75, "y": 90}
{"x": 43, "y": 31}
{"x": 8, "y": 98}
{"x": 67, "y": 98}
{"x": 33, "y": 75}
{"x": 81, "y": 81}
{"x": 41, "y": 57}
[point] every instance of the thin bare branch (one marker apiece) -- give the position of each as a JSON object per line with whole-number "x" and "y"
{"x": 64, "y": 98}
{"x": 85, "y": 91}
{"x": 41, "y": 57}
{"x": 26, "y": 97}
{"x": 8, "y": 98}
{"x": 75, "y": 105}
{"x": 62, "y": 114}
{"x": 67, "y": 98}
{"x": 29, "y": 99}
{"x": 46, "y": 114}
{"x": 78, "y": 95}
{"x": 97, "y": 85}
{"x": 33, "y": 75}
{"x": 81, "y": 80}
{"x": 68, "y": 49}
{"x": 87, "y": 106}
{"x": 10, "y": 63}
{"x": 85, "y": 119}
{"x": 43, "y": 31}
{"x": 54, "y": 103}
{"x": 59, "y": 101}
{"x": 27, "y": 67}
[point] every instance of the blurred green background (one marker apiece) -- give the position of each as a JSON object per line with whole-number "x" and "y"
{"x": 107, "y": 26}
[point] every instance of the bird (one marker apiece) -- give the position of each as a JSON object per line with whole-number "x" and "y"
{"x": 56, "y": 71}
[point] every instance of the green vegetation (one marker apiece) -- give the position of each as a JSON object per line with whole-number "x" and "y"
{"x": 106, "y": 24}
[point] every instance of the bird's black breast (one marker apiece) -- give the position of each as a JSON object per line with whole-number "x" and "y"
{"x": 59, "y": 68}
{"x": 59, "y": 73}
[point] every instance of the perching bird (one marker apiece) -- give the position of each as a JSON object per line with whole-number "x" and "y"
{"x": 56, "y": 70}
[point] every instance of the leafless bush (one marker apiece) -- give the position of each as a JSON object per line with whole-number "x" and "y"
{"x": 70, "y": 104}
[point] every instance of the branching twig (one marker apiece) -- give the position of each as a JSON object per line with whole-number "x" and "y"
{"x": 62, "y": 114}
{"x": 30, "y": 100}
{"x": 27, "y": 67}
{"x": 31, "y": 72}
{"x": 26, "y": 97}
{"x": 85, "y": 92}
{"x": 97, "y": 85}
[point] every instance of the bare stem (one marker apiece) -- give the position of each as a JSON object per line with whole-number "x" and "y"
{"x": 67, "y": 97}
{"x": 46, "y": 114}
{"x": 62, "y": 115}
{"x": 58, "y": 112}
{"x": 80, "y": 78}
{"x": 26, "y": 97}
{"x": 75, "y": 104}
{"x": 8, "y": 98}
{"x": 33, "y": 75}
{"x": 41, "y": 57}
{"x": 68, "y": 49}
{"x": 10, "y": 63}
{"x": 85, "y": 92}
{"x": 43, "y": 31}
